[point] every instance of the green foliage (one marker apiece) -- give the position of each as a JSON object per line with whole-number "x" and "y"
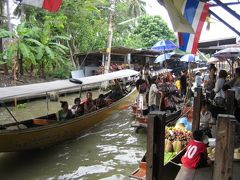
{"x": 44, "y": 40}
{"x": 2, "y": 62}
{"x": 134, "y": 41}
{"x": 152, "y": 29}
{"x": 136, "y": 8}
{"x": 62, "y": 72}
{"x": 5, "y": 34}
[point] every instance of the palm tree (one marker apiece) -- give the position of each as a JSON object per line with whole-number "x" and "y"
{"x": 136, "y": 8}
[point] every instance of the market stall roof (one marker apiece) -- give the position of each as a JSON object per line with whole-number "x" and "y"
{"x": 147, "y": 52}
{"x": 211, "y": 46}
{"x": 7, "y": 93}
{"x": 114, "y": 50}
{"x": 125, "y": 51}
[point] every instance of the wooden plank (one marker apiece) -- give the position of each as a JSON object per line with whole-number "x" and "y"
{"x": 223, "y": 165}
{"x": 230, "y": 98}
{"x": 155, "y": 145}
{"x": 196, "y": 109}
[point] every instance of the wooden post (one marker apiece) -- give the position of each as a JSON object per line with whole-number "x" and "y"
{"x": 196, "y": 109}
{"x": 230, "y": 97}
{"x": 155, "y": 145}
{"x": 223, "y": 165}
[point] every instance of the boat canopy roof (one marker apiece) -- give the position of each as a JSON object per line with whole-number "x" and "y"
{"x": 7, "y": 93}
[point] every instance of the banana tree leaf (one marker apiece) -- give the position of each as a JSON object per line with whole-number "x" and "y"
{"x": 49, "y": 52}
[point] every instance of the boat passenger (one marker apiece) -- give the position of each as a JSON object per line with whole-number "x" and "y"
{"x": 117, "y": 92}
{"x": 77, "y": 108}
{"x": 65, "y": 113}
{"x": 89, "y": 105}
{"x": 101, "y": 102}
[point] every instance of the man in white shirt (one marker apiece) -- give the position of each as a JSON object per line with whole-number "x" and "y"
{"x": 152, "y": 97}
{"x": 198, "y": 79}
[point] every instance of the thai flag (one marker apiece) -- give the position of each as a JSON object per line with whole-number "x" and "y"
{"x": 50, "y": 5}
{"x": 195, "y": 12}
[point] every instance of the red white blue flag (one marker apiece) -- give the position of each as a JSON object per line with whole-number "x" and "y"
{"x": 195, "y": 12}
{"x": 50, "y": 5}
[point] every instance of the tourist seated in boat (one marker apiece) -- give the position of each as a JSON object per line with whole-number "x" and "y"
{"x": 101, "y": 102}
{"x": 77, "y": 108}
{"x": 65, "y": 113}
{"x": 89, "y": 105}
{"x": 125, "y": 86}
{"x": 117, "y": 92}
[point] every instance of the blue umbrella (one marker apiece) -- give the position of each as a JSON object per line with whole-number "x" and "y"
{"x": 163, "y": 57}
{"x": 188, "y": 58}
{"x": 164, "y": 45}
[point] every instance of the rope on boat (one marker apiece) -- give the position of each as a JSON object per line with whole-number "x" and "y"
{"x": 5, "y": 106}
{"x": 177, "y": 164}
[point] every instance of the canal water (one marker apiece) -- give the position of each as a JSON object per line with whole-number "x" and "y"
{"x": 110, "y": 150}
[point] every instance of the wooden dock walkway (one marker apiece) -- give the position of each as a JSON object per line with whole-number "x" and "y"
{"x": 207, "y": 173}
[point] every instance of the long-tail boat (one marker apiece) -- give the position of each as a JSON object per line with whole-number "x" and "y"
{"x": 172, "y": 165}
{"x": 41, "y": 132}
{"x": 171, "y": 168}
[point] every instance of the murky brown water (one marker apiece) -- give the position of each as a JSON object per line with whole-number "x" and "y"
{"x": 111, "y": 150}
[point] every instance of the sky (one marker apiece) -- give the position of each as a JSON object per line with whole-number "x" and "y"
{"x": 217, "y": 29}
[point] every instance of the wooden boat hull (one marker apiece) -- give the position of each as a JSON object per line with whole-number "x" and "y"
{"x": 56, "y": 132}
{"x": 141, "y": 121}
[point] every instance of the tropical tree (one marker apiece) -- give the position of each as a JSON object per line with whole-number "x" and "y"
{"x": 50, "y": 52}
{"x": 36, "y": 46}
{"x": 85, "y": 26}
{"x": 19, "y": 47}
{"x": 136, "y": 8}
{"x": 2, "y": 25}
{"x": 149, "y": 30}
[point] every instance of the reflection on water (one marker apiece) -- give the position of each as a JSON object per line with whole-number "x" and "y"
{"x": 111, "y": 150}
